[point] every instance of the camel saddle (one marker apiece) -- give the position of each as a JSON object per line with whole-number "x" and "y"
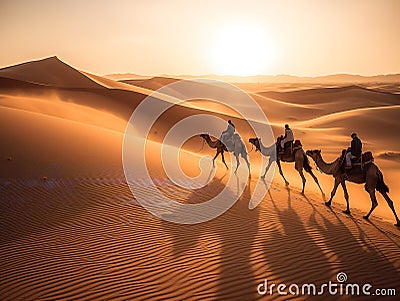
{"x": 365, "y": 159}
{"x": 297, "y": 145}
{"x": 290, "y": 147}
{"x": 232, "y": 142}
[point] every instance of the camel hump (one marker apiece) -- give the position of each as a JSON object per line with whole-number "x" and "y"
{"x": 297, "y": 144}
{"x": 367, "y": 157}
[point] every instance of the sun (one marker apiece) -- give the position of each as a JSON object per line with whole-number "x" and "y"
{"x": 241, "y": 50}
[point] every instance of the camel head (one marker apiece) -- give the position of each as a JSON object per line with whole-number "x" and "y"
{"x": 314, "y": 153}
{"x": 205, "y": 136}
{"x": 256, "y": 143}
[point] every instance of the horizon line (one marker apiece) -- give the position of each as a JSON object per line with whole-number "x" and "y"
{"x": 205, "y": 74}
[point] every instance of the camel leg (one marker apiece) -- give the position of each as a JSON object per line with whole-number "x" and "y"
{"x": 247, "y": 161}
{"x": 303, "y": 179}
{"x": 390, "y": 203}
{"x": 373, "y": 201}
{"x": 267, "y": 168}
{"x": 237, "y": 162}
{"x": 281, "y": 172}
{"x": 216, "y": 155}
{"x": 346, "y": 196}
{"x": 223, "y": 160}
{"x": 335, "y": 186}
{"x": 316, "y": 181}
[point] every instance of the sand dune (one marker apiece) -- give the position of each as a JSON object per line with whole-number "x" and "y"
{"x": 348, "y": 96}
{"x": 116, "y": 101}
{"x": 390, "y": 155}
{"x": 50, "y": 72}
{"x": 280, "y": 80}
{"x": 364, "y": 121}
{"x": 154, "y": 83}
{"x": 71, "y": 229}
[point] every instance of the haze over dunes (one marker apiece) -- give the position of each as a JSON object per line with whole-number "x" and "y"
{"x": 259, "y": 79}
{"x": 72, "y": 230}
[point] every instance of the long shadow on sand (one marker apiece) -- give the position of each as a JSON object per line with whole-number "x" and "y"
{"x": 291, "y": 253}
{"x": 316, "y": 250}
{"x": 358, "y": 253}
{"x": 354, "y": 251}
{"x": 228, "y": 237}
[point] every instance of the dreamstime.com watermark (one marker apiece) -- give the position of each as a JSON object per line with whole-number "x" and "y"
{"x": 332, "y": 288}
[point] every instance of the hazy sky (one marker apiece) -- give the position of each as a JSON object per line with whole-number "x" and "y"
{"x": 313, "y": 37}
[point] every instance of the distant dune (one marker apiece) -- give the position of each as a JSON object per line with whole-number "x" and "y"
{"x": 72, "y": 230}
{"x": 355, "y": 95}
{"x": 153, "y": 83}
{"x": 390, "y": 156}
{"x": 327, "y": 79}
{"x": 126, "y": 76}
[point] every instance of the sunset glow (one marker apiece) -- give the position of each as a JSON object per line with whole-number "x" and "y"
{"x": 303, "y": 38}
{"x": 199, "y": 150}
{"x": 241, "y": 49}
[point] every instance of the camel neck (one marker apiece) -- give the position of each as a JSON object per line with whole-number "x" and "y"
{"x": 327, "y": 168}
{"x": 266, "y": 151}
{"x": 210, "y": 142}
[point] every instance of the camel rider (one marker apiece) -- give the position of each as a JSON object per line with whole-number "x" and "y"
{"x": 228, "y": 133}
{"x": 354, "y": 151}
{"x": 289, "y": 137}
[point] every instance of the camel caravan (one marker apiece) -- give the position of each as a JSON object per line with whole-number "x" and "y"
{"x": 352, "y": 165}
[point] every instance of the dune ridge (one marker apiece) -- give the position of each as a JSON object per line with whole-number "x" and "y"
{"x": 49, "y": 71}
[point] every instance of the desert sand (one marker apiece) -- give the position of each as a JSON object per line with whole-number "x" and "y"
{"x": 72, "y": 230}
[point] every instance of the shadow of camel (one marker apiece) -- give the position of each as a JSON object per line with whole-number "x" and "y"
{"x": 293, "y": 249}
{"x": 290, "y": 251}
{"x": 356, "y": 250}
{"x": 230, "y": 235}
{"x": 351, "y": 248}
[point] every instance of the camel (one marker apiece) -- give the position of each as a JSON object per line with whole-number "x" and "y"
{"x": 299, "y": 157}
{"x": 237, "y": 148}
{"x": 369, "y": 174}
